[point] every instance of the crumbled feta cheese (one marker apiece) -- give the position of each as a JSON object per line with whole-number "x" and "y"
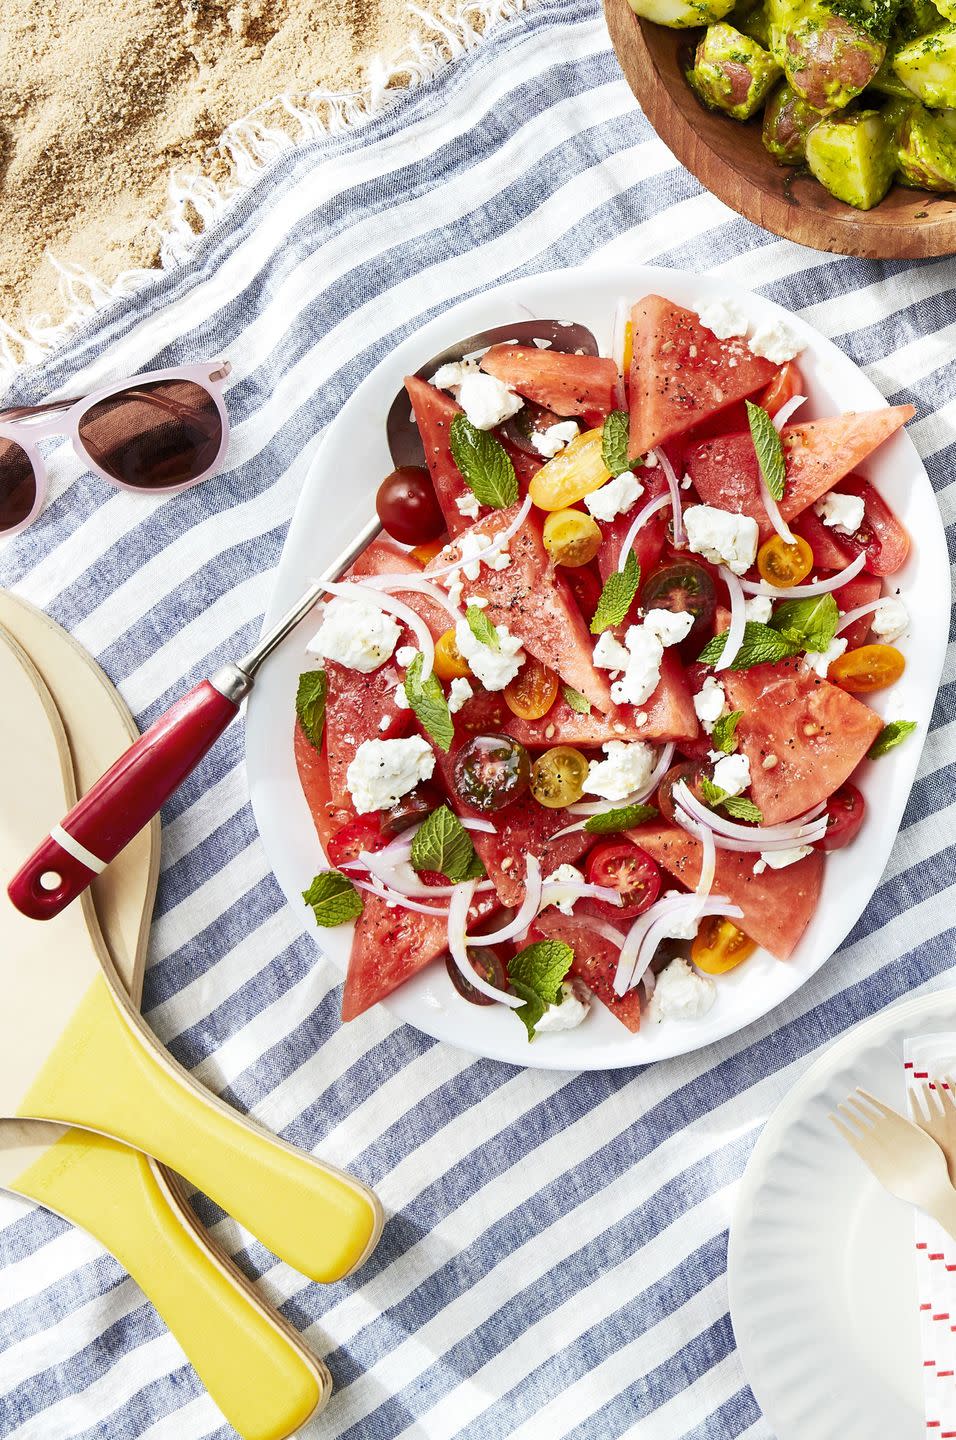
{"x": 709, "y": 703}
{"x": 628, "y": 766}
{"x": 732, "y": 773}
{"x": 572, "y": 1008}
{"x": 404, "y": 655}
{"x": 651, "y": 461}
{"x": 670, "y": 627}
{"x": 610, "y": 654}
{"x": 841, "y": 512}
{"x": 461, "y": 690}
{"x": 721, "y": 537}
{"x": 400, "y": 698}
{"x": 820, "y": 661}
{"x": 760, "y": 608}
{"x": 355, "y": 633}
{"x": 450, "y": 376}
{"x": 681, "y": 993}
{"x": 723, "y": 318}
{"x": 615, "y": 497}
{"x": 686, "y": 483}
{"x": 382, "y": 771}
{"x": 890, "y": 619}
{"x": 780, "y": 859}
{"x": 468, "y": 505}
{"x": 495, "y": 668}
{"x": 643, "y": 673}
{"x": 682, "y": 927}
{"x": 484, "y": 399}
{"x": 453, "y": 584}
{"x": 775, "y": 340}
{"x": 384, "y": 723}
{"x": 549, "y": 442}
{"x": 564, "y": 875}
{"x": 481, "y": 601}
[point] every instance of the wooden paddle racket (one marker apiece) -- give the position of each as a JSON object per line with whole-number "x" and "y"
{"x": 74, "y": 1049}
{"x": 253, "y": 1363}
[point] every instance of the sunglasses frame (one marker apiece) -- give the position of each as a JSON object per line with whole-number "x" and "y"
{"x": 25, "y": 425}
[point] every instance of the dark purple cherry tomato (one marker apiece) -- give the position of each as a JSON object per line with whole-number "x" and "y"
{"x": 410, "y": 809}
{"x": 683, "y": 587}
{"x": 408, "y": 506}
{"x": 492, "y": 771}
{"x": 486, "y": 964}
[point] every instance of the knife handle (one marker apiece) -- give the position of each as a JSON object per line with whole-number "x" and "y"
{"x": 107, "y": 1072}
{"x": 262, "y": 1377}
{"x": 122, "y": 801}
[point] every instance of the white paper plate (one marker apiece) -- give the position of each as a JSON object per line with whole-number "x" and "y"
{"x": 821, "y": 1265}
{"x": 337, "y": 500}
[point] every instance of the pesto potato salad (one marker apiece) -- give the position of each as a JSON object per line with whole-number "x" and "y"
{"x": 861, "y": 93}
{"x": 580, "y": 727}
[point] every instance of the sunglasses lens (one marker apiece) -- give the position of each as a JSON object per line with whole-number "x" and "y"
{"x": 162, "y": 433}
{"x": 18, "y": 486}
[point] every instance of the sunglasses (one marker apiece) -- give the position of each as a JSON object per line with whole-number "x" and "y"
{"x": 156, "y": 433}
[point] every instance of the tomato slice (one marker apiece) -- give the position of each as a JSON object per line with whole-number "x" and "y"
{"x": 689, "y": 772}
{"x": 533, "y": 690}
{"x": 869, "y": 667}
{"x": 571, "y": 538}
{"x": 687, "y": 588}
{"x": 558, "y": 777}
{"x": 363, "y": 833}
{"x": 881, "y": 535}
{"x": 720, "y": 946}
{"x": 486, "y": 963}
{"x": 492, "y": 771}
{"x": 845, "y": 811}
{"x": 629, "y": 870}
{"x": 449, "y": 661}
{"x": 781, "y": 564}
{"x": 785, "y": 384}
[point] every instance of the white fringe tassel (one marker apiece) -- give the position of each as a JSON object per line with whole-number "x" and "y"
{"x": 250, "y": 146}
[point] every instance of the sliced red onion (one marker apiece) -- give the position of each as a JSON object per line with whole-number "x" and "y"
{"x": 673, "y": 485}
{"x": 473, "y": 823}
{"x": 786, "y": 410}
{"x": 773, "y": 513}
{"x": 695, "y": 911}
{"x": 525, "y": 913}
{"x": 847, "y": 620}
{"x": 708, "y": 863}
{"x": 413, "y": 583}
{"x": 651, "y": 508}
{"x": 649, "y": 981}
{"x": 792, "y": 830}
{"x": 759, "y": 841}
{"x": 554, "y": 890}
{"x": 618, "y": 345}
{"x": 608, "y": 931}
{"x": 738, "y": 619}
{"x": 398, "y": 875}
{"x": 458, "y": 945}
{"x": 624, "y": 977}
{"x": 818, "y": 587}
{"x": 498, "y": 543}
{"x": 391, "y": 606}
{"x": 374, "y": 887}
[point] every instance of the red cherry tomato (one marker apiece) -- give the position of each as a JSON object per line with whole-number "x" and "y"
{"x": 785, "y": 384}
{"x": 362, "y": 833}
{"x": 689, "y": 773}
{"x": 629, "y": 870}
{"x": 881, "y": 535}
{"x": 408, "y": 506}
{"x": 845, "y": 811}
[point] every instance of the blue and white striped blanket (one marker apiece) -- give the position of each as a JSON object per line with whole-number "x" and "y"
{"x": 555, "y": 1261}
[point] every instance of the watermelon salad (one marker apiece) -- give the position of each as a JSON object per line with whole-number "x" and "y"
{"x": 583, "y": 724}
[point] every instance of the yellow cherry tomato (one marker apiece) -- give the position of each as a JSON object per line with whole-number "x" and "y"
{"x": 781, "y": 564}
{"x": 571, "y": 538}
{"x": 628, "y": 347}
{"x": 427, "y": 552}
{"x": 575, "y": 471}
{"x": 558, "y": 776}
{"x": 533, "y": 690}
{"x": 449, "y": 661}
{"x": 869, "y": 667}
{"x": 719, "y": 946}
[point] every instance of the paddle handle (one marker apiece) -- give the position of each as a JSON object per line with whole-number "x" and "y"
{"x": 264, "y": 1380}
{"x": 126, "y": 798}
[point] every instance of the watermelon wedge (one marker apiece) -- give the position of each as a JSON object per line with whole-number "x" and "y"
{"x": 434, "y": 411}
{"x": 536, "y": 604}
{"x": 681, "y": 373}
{"x": 816, "y": 733}
{"x": 861, "y": 590}
{"x": 566, "y": 384}
{"x": 777, "y": 905}
{"x": 670, "y": 716}
{"x": 818, "y": 455}
{"x": 312, "y": 765}
{"x": 595, "y": 961}
{"x": 828, "y": 551}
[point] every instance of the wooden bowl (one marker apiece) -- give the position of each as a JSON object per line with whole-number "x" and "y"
{"x": 729, "y": 159}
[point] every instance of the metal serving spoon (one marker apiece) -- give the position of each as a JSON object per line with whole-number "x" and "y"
{"x": 137, "y": 786}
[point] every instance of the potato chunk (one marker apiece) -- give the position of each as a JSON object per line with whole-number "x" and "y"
{"x": 787, "y": 121}
{"x": 731, "y": 72}
{"x": 829, "y": 61}
{"x": 682, "y": 14}
{"x": 927, "y": 67}
{"x": 854, "y": 157}
{"x": 927, "y": 150}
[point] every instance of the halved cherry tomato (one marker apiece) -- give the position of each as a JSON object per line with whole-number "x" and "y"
{"x": 585, "y": 586}
{"x": 408, "y": 506}
{"x": 362, "y": 833}
{"x": 719, "y": 946}
{"x": 690, "y": 774}
{"x": 571, "y": 538}
{"x": 781, "y": 564}
{"x": 628, "y": 349}
{"x": 558, "y": 776}
{"x": 492, "y": 771}
{"x": 687, "y": 588}
{"x": 881, "y": 535}
{"x": 785, "y": 384}
{"x": 410, "y": 809}
{"x": 486, "y": 964}
{"x": 424, "y": 554}
{"x": 533, "y": 690}
{"x": 574, "y": 472}
{"x": 845, "y": 811}
{"x": 629, "y": 870}
{"x": 449, "y": 661}
{"x": 869, "y": 667}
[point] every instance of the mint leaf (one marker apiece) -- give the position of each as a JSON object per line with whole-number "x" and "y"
{"x": 484, "y": 464}
{"x": 333, "y": 898}
{"x": 769, "y": 448}
{"x": 310, "y": 705}
{"x": 740, "y": 808}
{"x": 724, "y": 734}
{"x": 578, "y": 702}
{"x": 761, "y": 646}
{"x": 617, "y": 597}
{"x": 710, "y": 793}
{"x": 427, "y": 699}
{"x": 615, "y": 436}
{"x": 481, "y": 627}
{"x": 536, "y": 975}
{"x": 443, "y": 844}
{"x": 890, "y": 736}
{"x": 810, "y": 624}
{"x": 623, "y": 818}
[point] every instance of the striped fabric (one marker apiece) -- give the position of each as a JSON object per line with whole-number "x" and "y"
{"x": 554, "y": 1265}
